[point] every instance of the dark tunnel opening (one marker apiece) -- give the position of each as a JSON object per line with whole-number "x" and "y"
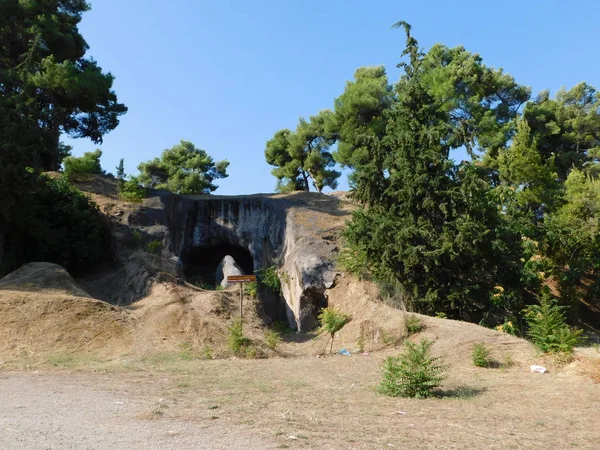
{"x": 200, "y": 263}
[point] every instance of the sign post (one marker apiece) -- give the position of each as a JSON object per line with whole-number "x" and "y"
{"x": 241, "y": 279}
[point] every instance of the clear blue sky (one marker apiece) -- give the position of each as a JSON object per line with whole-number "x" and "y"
{"x": 226, "y": 75}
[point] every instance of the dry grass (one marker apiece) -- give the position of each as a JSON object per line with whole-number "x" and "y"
{"x": 332, "y": 403}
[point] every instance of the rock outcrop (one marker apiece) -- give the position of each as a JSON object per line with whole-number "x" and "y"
{"x": 227, "y": 268}
{"x": 295, "y": 232}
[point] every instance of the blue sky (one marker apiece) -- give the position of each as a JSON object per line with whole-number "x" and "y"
{"x": 226, "y": 75}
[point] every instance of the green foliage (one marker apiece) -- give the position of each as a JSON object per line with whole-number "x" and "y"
{"x": 548, "y": 328}
{"x": 415, "y": 373}
{"x": 302, "y": 156}
{"x": 413, "y": 323}
{"x": 236, "y": 340}
{"x": 268, "y": 278}
{"x": 131, "y": 191}
{"x": 57, "y": 223}
{"x": 481, "y": 355}
{"x": 88, "y": 164}
{"x": 272, "y": 339}
{"x": 251, "y": 289}
{"x": 120, "y": 175}
{"x": 332, "y": 320}
{"x": 183, "y": 169}
{"x": 154, "y": 247}
{"x": 428, "y": 225}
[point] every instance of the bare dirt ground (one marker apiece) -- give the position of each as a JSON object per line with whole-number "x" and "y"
{"x": 304, "y": 402}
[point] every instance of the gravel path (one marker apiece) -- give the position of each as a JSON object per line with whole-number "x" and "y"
{"x": 57, "y": 411}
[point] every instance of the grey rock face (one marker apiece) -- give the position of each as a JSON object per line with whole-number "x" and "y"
{"x": 265, "y": 226}
{"x": 227, "y": 268}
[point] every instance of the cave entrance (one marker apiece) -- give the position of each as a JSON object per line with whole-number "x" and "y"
{"x": 200, "y": 263}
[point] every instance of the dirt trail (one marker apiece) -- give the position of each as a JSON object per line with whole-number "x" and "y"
{"x": 69, "y": 411}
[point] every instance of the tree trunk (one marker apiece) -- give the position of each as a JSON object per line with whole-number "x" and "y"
{"x": 306, "y": 185}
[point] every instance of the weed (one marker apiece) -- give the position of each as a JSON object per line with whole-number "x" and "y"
{"x": 269, "y": 279}
{"x": 136, "y": 237}
{"x": 413, "y": 324}
{"x": 596, "y": 346}
{"x": 508, "y": 360}
{"x": 154, "y": 247}
{"x": 250, "y": 352}
{"x": 415, "y": 373}
{"x": 361, "y": 342}
{"x": 236, "y": 340}
{"x": 251, "y": 289}
{"x": 207, "y": 352}
{"x": 332, "y": 321}
{"x": 272, "y": 339}
{"x": 481, "y": 355}
{"x": 389, "y": 339}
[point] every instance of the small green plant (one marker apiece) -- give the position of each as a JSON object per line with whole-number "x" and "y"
{"x": 332, "y": 321}
{"x": 207, "y": 352}
{"x": 441, "y": 315}
{"x": 154, "y": 247}
{"x": 414, "y": 373}
{"x": 136, "y": 237}
{"x": 548, "y": 328}
{"x": 236, "y": 340}
{"x": 508, "y": 360}
{"x": 389, "y": 339}
{"x": 250, "y": 352}
{"x": 481, "y": 355}
{"x": 268, "y": 278}
{"x": 272, "y": 339}
{"x": 596, "y": 346}
{"x": 186, "y": 351}
{"x": 251, "y": 289}
{"x": 413, "y": 324}
{"x": 361, "y": 342}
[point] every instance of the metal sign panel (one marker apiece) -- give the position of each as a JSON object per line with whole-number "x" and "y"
{"x": 241, "y": 279}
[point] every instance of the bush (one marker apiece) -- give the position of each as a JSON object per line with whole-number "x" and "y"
{"x": 251, "y": 289}
{"x": 89, "y": 163}
{"x": 415, "y": 373}
{"x": 481, "y": 355}
{"x": 332, "y": 321}
{"x": 236, "y": 340}
{"x": 131, "y": 191}
{"x": 57, "y": 223}
{"x": 548, "y": 328}
{"x": 269, "y": 279}
{"x": 413, "y": 324}
{"x": 272, "y": 339}
{"x": 154, "y": 247}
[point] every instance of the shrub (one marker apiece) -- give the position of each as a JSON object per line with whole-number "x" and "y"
{"x": 413, "y": 323}
{"x": 236, "y": 340}
{"x": 332, "y": 321}
{"x": 55, "y": 222}
{"x": 251, "y": 289}
{"x": 89, "y": 163}
{"x": 269, "y": 279}
{"x": 272, "y": 339}
{"x": 131, "y": 191}
{"x": 548, "y": 328}
{"x": 154, "y": 247}
{"x": 481, "y": 355}
{"x": 414, "y": 373}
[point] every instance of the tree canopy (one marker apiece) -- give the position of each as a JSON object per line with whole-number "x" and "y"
{"x": 48, "y": 87}
{"x": 183, "y": 169}
{"x": 302, "y": 157}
